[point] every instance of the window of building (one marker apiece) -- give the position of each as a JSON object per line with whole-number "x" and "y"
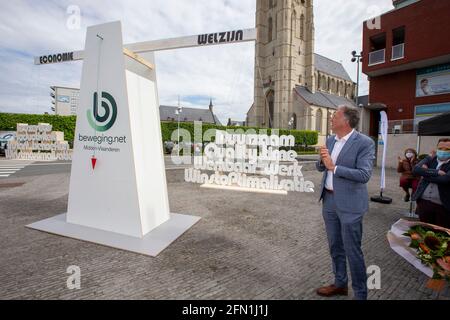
{"x": 378, "y": 42}
{"x": 398, "y": 36}
{"x": 319, "y": 120}
{"x": 330, "y": 115}
{"x": 302, "y": 27}
{"x": 377, "y": 49}
{"x": 270, "y": 26}
{"x": 398, "y": 43}
{"x": 294, "y": 23}
{"x": 307, "y": 118}
{"x": 270, "y": 102}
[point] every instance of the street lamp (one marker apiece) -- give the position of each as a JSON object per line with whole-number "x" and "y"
{"x": 290, "y": 124}
{"x": 357, "y": 58}
{"x": 178, "y": 111}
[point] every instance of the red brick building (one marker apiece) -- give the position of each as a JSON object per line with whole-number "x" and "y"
{"x": 407, "y": 62}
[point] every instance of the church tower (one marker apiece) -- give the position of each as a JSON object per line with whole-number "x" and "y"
{"x": 284, "y": 58}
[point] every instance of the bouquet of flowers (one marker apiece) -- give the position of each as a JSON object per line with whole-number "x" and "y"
{"x": 433, "y": 249}
{"x": 424, "y": 245}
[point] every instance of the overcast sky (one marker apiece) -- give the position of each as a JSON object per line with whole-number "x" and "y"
{"x": 225, "y": 73}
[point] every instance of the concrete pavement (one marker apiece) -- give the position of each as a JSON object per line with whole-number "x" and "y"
{"x": 246, "y": 246}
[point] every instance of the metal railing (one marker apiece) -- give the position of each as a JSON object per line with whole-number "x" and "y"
{"x": 377, "y": 57}
{"x": 402, "y": 126}
{"x": 398, "y": 51}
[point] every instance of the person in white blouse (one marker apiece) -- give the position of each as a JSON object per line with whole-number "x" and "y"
{"x": 347, "y": 169}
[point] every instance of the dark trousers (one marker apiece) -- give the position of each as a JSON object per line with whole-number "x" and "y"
{"x": 433, "y": 213}
{"x": 344, "y": 231}
{"x": 409, "y": 183}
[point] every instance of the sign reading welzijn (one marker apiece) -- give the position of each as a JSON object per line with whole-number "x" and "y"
{"x": 221, "y": 37}
{"x": 38, "y": 142}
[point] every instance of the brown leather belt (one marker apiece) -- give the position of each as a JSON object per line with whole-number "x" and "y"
{"x": 328, "y": 190}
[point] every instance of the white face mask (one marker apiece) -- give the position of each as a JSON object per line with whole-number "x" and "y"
{"x": 409, "y": 155}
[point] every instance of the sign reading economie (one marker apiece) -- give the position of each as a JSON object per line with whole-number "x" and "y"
{"x": 38, "y": 142}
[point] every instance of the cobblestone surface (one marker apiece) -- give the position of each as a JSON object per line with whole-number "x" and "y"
{"x": 246, "y": 246}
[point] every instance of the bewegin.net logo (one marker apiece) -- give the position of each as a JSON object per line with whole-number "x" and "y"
{"x": 106, "y": 120}
{"x": 101, "y": 121}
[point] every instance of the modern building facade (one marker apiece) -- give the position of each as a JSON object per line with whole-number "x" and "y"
{"x": 407, "y": 61}
{"x": 65, "y": 100}
{"x": 294, "y": 87}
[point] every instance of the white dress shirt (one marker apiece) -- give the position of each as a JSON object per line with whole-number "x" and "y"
{"x": 338, "y": 145}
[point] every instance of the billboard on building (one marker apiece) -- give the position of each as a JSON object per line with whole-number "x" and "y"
{"x": 433, "y": 80}
{"x": 64, "y": 99}
{"x": 428, "y": 111}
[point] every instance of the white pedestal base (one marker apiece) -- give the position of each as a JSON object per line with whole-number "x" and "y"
{"x": 151, "y": 244}
{"x": 237, "y": 188}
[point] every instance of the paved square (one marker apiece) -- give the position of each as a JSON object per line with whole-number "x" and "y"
{"x": 246, "y": 246}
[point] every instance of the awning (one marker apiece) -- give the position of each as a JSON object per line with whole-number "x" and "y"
{"x": 436, "y": 126}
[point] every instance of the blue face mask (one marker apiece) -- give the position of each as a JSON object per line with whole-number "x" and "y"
{"x": 443, "y": 155}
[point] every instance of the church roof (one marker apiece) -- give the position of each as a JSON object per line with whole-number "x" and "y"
{"x": 322, "y": 99}
{"x": 167, "y": 113}
{"x": 330, "y": 67}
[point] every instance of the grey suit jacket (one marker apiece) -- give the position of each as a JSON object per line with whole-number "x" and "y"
{"x": 354, "y": 169}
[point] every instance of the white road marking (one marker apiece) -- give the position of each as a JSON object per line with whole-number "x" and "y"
{"x": 8, "y": 167}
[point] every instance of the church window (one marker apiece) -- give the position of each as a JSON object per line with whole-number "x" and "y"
{"x": 270, "y": 26}
{"x": 319, "y": 121}
{"x": 270, "y": 101}
{"x": 307, "y": 118}
{"x": 294, "y": 122}
{"x": 302, "y": 27}
{"x": 294, "y": 24}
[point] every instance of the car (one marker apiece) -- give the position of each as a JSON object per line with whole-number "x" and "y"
{"x": 4, "y": 142}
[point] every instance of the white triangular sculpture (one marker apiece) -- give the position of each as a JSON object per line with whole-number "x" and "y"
{"x": 118, "y": 190}
{"x": 126, "y": 192}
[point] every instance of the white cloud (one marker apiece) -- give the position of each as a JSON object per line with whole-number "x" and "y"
{"x": 225, "y": 73}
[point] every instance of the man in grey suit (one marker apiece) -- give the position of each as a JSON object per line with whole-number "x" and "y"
{"x": 347, "y": 162}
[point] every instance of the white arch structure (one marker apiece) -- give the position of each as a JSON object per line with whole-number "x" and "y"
{"x": 118, "y": 193}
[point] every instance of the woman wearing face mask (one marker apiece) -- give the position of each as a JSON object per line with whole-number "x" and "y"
{"x": 405, "y": 167}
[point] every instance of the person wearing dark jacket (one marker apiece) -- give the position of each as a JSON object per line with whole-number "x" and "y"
{"x": 405, "y": 167}
{"x": 433, "y": 192}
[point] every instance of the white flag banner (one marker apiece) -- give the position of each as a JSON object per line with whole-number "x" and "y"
{"x": 383, "y": 131}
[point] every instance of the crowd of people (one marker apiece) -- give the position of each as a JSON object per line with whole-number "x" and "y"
{"x": 429, "y": 182}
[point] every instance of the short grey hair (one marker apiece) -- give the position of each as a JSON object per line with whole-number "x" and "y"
{"x": 351, "y": 114}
